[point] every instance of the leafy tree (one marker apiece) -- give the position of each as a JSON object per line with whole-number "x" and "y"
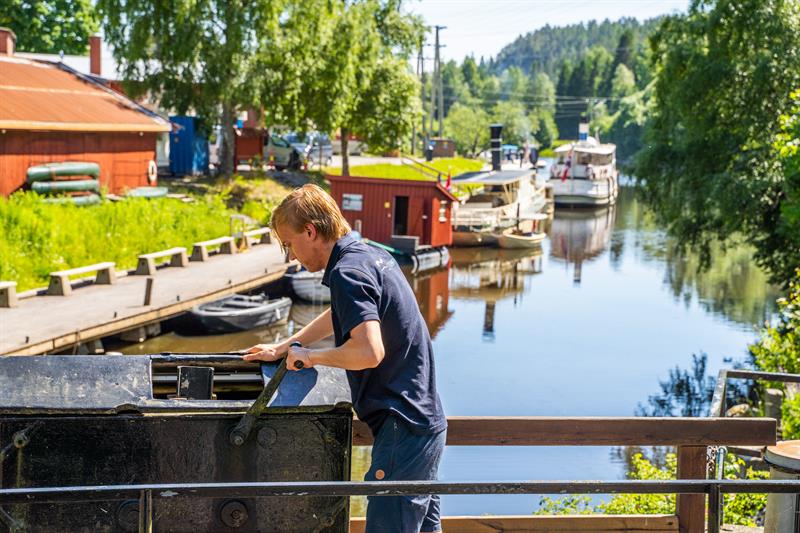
{"x": 710, "y": 166}
{"x": 623, "y": 83}
{"x": 625, "y": 52}
{"x": 199, "y": 55}
{"x": 389, "y": 108}
{"x": 362, "y": 83}
{"x": 546, "y": 130}
{"x": 454, "y": 86}
{"x": 472, "y": 75}
{"x": 50, "y": 26}
{"x": 513, "y": 83}
{"x": 516, "y": 124}
{"x": 468, "y": 126}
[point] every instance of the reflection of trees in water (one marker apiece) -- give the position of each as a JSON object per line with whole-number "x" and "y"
{"x": 731, "y": 285}
{"x": 726, "y": 283}
{"x": 690, "y": 392}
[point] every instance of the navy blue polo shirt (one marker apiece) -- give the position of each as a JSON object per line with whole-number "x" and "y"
{"x": 367, "y": 284}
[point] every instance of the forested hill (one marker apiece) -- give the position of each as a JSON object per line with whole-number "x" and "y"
{"x": 546, "y": 48}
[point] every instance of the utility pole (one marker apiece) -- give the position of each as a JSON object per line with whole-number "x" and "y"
{"x": 420, "y": 69}
{"x": 437, "y": 89}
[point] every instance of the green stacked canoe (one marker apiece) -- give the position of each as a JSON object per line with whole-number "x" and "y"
{"x": 57, "y": 179}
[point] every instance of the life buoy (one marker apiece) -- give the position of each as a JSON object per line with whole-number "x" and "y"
{"x": 152, "y": 172}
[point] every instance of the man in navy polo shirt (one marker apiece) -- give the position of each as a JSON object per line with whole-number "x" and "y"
{"x": 382, "y": 342}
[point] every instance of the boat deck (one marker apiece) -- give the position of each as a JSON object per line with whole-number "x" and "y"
{"x": 43, "y": 324}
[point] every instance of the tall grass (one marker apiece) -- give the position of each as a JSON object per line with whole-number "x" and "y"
{"x": 38, "y": 238}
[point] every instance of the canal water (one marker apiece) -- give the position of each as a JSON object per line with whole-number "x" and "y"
{"x": 590, "y": 325}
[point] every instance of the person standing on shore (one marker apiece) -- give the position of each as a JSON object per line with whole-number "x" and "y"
{"x": 382, "y": 342}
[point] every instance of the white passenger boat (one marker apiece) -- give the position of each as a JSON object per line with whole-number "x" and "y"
{"x": 498, "y": 199}
{"x": 585, "y": 174}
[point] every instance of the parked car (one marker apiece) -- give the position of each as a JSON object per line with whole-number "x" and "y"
{"x": 283, "y": 154}
{"x": 314, "y": 146}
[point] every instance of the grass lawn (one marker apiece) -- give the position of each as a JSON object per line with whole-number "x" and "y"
{"x": 548, "y": 152}
{"x": 453, "y": 165}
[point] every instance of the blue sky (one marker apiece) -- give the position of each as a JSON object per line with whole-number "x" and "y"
{"x": 483, "y": 27}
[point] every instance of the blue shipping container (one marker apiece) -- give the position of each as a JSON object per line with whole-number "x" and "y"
{"x": 188, "y": 149}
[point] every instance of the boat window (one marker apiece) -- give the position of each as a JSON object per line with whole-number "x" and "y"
{"x": 443, "y": 213}
{"x": 601, "y": 159}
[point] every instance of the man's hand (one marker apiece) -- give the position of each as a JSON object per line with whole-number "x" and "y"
{"x": 298, "y": 353}
{"x": 264, "y": 352}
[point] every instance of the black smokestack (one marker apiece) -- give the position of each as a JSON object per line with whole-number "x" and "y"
{"x": 494, "y": 132}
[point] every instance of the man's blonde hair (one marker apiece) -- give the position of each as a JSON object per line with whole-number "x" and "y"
{"x": 311, "y": 205}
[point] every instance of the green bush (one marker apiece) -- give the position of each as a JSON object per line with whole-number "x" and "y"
{"x": 644, "y": 503}
{"x": 739, "y": 509}
{"x": 778, "y": 350}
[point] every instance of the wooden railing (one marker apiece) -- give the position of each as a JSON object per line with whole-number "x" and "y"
{"x": 692, "y": 436}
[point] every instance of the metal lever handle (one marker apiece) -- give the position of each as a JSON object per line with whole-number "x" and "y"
{"x": 242, "y": 430}
{"x": 297, "y": 364}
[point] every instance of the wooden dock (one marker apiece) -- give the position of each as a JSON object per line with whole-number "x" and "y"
{"x": 43, "y": 324}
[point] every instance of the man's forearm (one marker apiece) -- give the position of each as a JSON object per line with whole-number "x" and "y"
{"x": 349, "y": 356}
{"x": 316, "y": 330}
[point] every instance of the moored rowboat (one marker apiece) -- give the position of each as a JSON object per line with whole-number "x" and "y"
{"x": 240, "y": 313}
{"x": 512, "y": 238}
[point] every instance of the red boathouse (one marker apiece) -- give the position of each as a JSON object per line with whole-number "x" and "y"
{"x": 51, "y": 113}
{"x": 381, "y": 208}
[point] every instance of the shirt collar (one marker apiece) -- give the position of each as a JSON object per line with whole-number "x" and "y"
{"x": 338, "y": 248}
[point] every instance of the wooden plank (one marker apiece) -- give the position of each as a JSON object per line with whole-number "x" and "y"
{"x": 43, "y": 324}
{"x": 526, "y": 523}
{"x": 597, "y": 431}
{"x": 691, "y": 508}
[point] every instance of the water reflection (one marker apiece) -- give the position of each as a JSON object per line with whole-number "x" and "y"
{"x": 432, "y": 290}
{"x": 579, "y": 235}
{"x": 689, "y": 392}
{"x": 490, "y": 275}
{"x": 730, "y": 286}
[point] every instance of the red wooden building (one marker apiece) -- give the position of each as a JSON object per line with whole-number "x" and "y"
{"x": 380, "y": 208}
{"x": 52, "y": 113}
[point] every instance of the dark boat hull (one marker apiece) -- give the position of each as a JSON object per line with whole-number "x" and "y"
{"x": 214, "y": 318}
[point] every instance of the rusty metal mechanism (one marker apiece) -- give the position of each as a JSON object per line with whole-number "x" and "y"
{"x": 107, "y": 420}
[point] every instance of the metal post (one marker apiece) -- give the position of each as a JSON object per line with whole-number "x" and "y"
{"x": 148, "y": 290}
{"x": 146, "y": 511}
{"x": 714, "y": 509}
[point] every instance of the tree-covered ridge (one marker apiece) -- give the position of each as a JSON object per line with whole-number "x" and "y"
{"x": 546, "y": 49}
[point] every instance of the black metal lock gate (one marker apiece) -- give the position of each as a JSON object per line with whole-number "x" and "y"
{"x": 94, "y": 420}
